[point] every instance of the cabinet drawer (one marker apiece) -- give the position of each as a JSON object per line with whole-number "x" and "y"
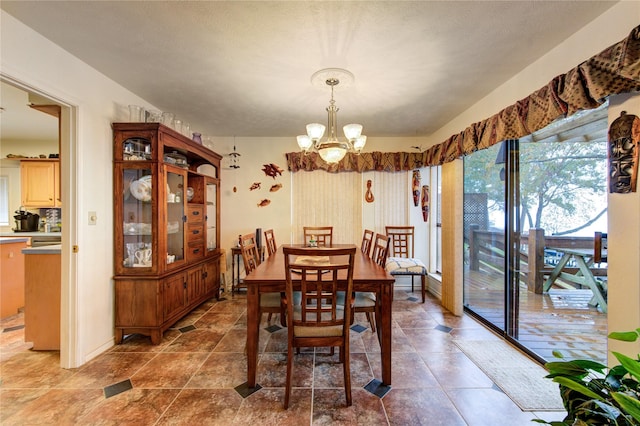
{"x": 195, "y": 250}
{"x": 195, "y": 213}
{"x": 195, "y": 232}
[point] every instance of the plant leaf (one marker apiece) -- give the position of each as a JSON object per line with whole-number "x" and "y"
{"x": 629, "y": 405}
{"x": 624, "y": 336}
{"x": 632, "y": 365}
{"x": 571, "y": 384}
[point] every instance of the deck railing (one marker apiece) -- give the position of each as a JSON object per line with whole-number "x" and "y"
{"x": 486, "y": 251}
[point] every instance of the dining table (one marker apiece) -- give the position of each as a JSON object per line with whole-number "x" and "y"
{"x": 368, "y": 276}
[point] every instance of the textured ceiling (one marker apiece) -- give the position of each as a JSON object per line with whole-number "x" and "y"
{"x": 237, "y": 68}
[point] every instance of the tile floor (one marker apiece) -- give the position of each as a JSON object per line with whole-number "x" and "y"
{"x": 190, "y": 377}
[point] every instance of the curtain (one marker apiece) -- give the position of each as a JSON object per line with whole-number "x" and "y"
{"x": 327, "y": 199}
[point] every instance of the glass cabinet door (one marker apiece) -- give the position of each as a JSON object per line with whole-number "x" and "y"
{"x": 175, "y": 215}
{"x": 137, "y": 214}
{"x": 212, "y": 215}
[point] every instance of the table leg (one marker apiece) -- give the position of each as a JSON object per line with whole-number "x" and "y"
{"x": 384, "y": 328}
{"x": 253, "y": 323}
{"x": 556, "y": 272}
{"x": 590, "y": 281}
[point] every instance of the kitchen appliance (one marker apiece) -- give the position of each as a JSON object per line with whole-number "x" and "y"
{"x": 26, "y": 221}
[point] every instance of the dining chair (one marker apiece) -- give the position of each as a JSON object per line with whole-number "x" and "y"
{"x": 365, "y": 301}
{"x": 401, "y": 260}
{"x": 270, "y": 241}
{"x": 600, "y": 245}
{"x": 367, "y": 239}
{"x": 323, "y": 235}
{"x": 319, "y": 320}
{"x": 272, "y": 302}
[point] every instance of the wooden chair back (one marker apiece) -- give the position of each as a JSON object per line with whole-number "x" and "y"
{"x": 321, "y": 319}
{"x": 380, "y": 250}
{"x": 270, "y": 241}
{"x": 249, "y": 250}
{"x": 401, "y": 240}
{"x": 367, "y": 240}
{"x": 323, "y": 234}
{"x": 600, "y": 245}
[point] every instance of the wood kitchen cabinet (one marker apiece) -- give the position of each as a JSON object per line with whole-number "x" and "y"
{"x": 166, "y": 214}
{"x": 40, "y": 183}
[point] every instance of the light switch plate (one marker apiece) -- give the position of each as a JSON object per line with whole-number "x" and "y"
{"x": 93, "y": 218}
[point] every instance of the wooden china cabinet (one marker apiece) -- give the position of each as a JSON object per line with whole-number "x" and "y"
{"x": 167, "y": 227}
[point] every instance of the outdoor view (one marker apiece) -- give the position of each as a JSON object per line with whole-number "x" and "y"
{"x": 556, "y": 296}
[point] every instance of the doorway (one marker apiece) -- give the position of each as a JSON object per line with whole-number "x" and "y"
{"x": 67, "y": 148}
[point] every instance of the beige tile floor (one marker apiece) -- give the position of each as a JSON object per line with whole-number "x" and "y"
{"x": 190, "y": 377}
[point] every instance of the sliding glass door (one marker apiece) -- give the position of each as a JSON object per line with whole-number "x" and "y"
{"x": 522, "y": 201}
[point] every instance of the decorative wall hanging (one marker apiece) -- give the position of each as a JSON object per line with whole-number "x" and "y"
{"x": 425, "y": 202}
{"x": 255, "y": 185}
{"x": 264, "y": 202}
{"x": 272, "y": 170}
{"x": 275, "y": 187}
{"x": 415, "y": 183}
{"x": 368, "y": 196}
{"x": 624, "y": 141}
{"x": 234, "y": 161}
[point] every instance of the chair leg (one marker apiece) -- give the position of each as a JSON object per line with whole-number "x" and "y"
{"x": 347, "y": 374}
{"x": 269, "y": 317}
{"x": 287, "y": 391}
{"x": 372, "y": 321}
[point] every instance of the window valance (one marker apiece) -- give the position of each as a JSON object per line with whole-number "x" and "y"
{"x": 613, "y": 71}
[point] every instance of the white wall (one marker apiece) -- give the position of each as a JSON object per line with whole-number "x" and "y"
{"x": 30, "y": 60}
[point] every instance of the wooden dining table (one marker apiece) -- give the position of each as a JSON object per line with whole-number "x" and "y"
{"x": 367, "y": 276}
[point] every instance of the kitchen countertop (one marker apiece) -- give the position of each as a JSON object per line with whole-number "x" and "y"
{"x": 31, "y": 234}
{"x": 53, "y": 249}
{"x": 9, "y": 240}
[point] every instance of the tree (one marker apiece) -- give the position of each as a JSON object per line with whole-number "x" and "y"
{"x": 560, "y": 180}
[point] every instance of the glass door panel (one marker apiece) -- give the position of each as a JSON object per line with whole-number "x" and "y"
{"x": 484, "y": 243}
{"x": 138, "y": 219}
{"x": 211, "y": 214}
{"x": 175, "y": 215}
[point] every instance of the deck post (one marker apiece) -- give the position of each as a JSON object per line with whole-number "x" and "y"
{"x": 536, "y": 260}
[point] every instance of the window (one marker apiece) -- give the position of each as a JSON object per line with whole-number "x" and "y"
{"x": 436, "y": 221}
{"x": 4, "y": 201}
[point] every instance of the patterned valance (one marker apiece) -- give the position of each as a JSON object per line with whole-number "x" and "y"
{"x": 613, "y": 71}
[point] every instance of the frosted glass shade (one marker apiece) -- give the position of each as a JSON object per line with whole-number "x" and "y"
{"x": 359, "y": 143}
{"x": 332, "y": 152}
{"x": 352, "y": 131}
{"x": 304, "y": 142}
{"x": 315, "y": 131}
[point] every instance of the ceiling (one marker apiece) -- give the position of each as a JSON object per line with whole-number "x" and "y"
{"x": 239, "y": 68}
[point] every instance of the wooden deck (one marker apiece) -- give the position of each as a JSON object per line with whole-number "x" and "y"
{"x": 560, "y": 320}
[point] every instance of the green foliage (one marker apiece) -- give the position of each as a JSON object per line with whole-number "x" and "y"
{"x": 595, "y": 395}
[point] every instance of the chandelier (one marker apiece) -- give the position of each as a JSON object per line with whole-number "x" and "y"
{"x": 332, "y": 150}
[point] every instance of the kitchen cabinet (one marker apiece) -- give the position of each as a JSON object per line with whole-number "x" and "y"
{"x": 42, "y": 280}
{"x": 40, "y": 183}
{"x": 166, "y": 222}
{"x": 11, "y": 275}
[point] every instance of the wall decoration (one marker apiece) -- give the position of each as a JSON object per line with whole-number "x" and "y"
{"x": 264, "y": 202}
{"x": 275, "y": 187}
{"x": 425, "y": 202}
{"x": 368, "y": 196}
{"x": 272, "y": 170}
{"x": 624, "y": 144}
{"x": 255, "y": 185}
{"x": 416, "y": 187}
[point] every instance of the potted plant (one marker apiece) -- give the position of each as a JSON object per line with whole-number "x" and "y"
{"x": 595, "y": 395}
